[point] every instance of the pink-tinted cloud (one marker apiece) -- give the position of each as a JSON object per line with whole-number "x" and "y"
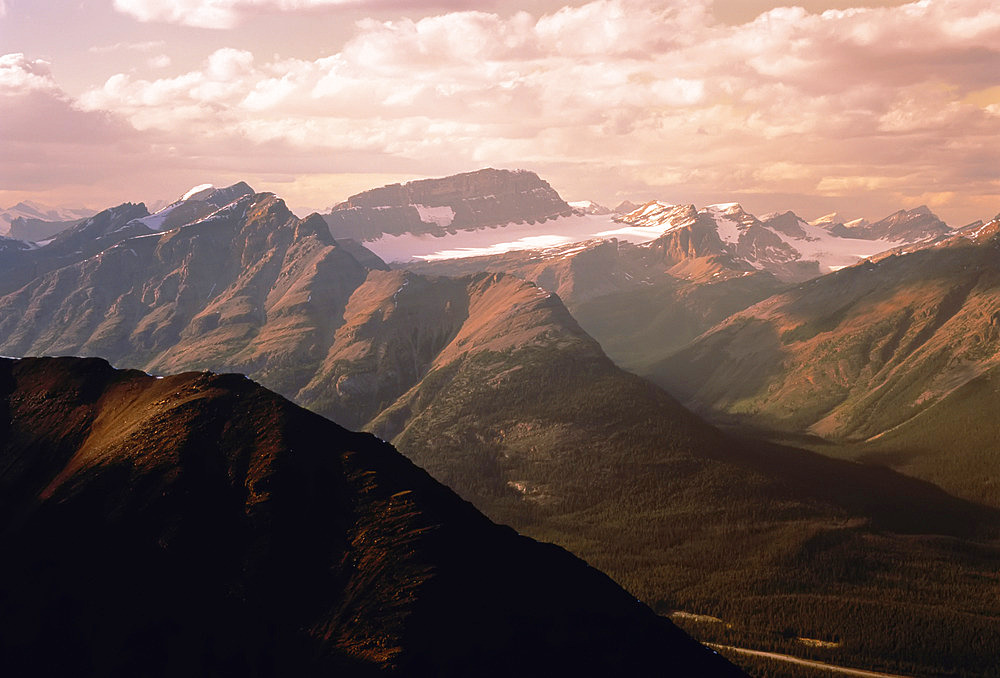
{"x": 897, "y": 101}
{"x": 227, "y": 14}
{"x": 37, "y": 111}
{"x": 46, "y": 140}
{"x": 147, "y": 46}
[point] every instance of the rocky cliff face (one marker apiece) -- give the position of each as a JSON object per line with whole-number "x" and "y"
{"x": 201, "y": 525}
{"x": 88, "y": 237}
{"x": 250, "y": 288}
{"x": 472, "y": 200}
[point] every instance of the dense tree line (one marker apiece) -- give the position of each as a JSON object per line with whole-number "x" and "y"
{"x": 675, "y": 512}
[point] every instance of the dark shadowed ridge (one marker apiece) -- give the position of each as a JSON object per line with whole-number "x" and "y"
{"x": 202, "y": 525}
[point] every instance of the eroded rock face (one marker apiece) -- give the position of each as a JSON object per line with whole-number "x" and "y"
{"x": 488, "y": 197}
{"x": 88, "y": 237}
{"x": 201, "y": 525}
{"x": 251, "y": 288}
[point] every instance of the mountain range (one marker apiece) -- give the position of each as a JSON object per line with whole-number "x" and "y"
{"x": 859, "y": 353}
{"x": 478, "y": 371}
{"x": 29, "y": 220}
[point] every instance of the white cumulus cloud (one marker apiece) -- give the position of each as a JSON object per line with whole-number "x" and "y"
{"x": 19, "y": 75}
{"x": 649, "y": 92}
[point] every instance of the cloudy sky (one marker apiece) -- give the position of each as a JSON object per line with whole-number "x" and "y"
{"x": 860, "y": 107}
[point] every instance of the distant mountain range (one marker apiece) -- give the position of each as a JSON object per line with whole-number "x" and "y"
{"x": 782, "y": 244}
{"x": 487, "y": 213}
{"x": 27, "y": 211}
{"x": 688, "y": 270}
{"x": 33, "y": 222}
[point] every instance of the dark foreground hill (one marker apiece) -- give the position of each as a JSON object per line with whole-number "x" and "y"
{"x": 202, "y": 525}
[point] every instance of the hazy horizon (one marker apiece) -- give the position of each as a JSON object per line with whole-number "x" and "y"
{"x": 828, "y": 107}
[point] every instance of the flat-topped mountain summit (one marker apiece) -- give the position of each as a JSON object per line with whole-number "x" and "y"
{"x": 487, "y": 197}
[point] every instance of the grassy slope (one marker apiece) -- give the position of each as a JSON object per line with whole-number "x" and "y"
{"x": 853, "y": 353}
{"x": 638, "y": 328}
{"x": 955, "y": 443}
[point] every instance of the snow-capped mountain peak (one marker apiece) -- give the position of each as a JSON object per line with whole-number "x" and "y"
{"x": 589, "y": 207}
{"x": 198, "y": 202}
{"x": 782, "y": 243}
{"x": 728, "y": 207}
{"x": 199, "y": 192}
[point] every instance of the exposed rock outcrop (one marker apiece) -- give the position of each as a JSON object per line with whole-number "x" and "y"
{"x": 484, "y": 198}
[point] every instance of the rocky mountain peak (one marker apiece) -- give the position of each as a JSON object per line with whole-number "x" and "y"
{"x": 485, "y": 198}
{"x": 911, "y": 225}
{"x": 221, "y": 197}
{"x": 788, "y": 223}
{"x": 105, "y": 222}
{"x": 589, "y": 207}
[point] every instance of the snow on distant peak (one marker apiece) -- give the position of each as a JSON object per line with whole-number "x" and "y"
{"x": 199, "y": 192}
{"x": 442, "y": 216}
{"x": 724, "y": 207}
{"x": 154, "y": 222}
{"x": 827, "y": 219}
{"x": 589, "y": 207}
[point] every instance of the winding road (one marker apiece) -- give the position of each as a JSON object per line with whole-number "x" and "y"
{"x": 805, "y": 662}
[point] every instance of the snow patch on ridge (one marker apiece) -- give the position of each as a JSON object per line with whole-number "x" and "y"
{"x": 502, "y": 238}
{"x": 155, "y": 221}
{"x": 728, "y": 228}
{"x": 442, "y": 216}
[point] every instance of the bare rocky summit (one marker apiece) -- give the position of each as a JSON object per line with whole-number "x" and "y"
{"x": 480, "y": 199}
